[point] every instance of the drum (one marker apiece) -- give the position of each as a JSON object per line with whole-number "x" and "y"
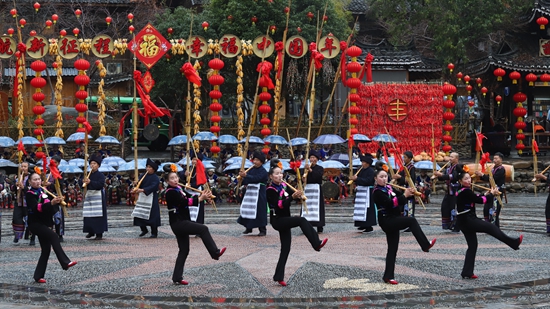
{"x": 330, "y": 190}
{"x": 509, "y": 169}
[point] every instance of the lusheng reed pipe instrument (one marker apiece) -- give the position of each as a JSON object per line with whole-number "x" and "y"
{"x": 294, "y": 189}
{"x": 54, "y": 196}
{"x": 357, "y": 173}
{"x": 544, "y": 171}
{"x": 483, "y": 188}
{"x": 300, "y": 182}
{"x": 139, "y": 182}
{"x": 439, "y": 171}
{"x": 246, "y": 171}
{"x": 193, "y": 189}
{"x": 416, "y": 193}
{"x": 87, "y": 177}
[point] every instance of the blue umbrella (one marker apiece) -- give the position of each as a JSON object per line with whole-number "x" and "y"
{"x": 234, "y": 160}
{"x": 129, "y": 166}
{"x": 297, "y": 141}
{"x": 356, "y": 163}
{"x": 340, "y": 157}
{"x": 107, "y": 139}
{"x": 70, "y": 169}
{"x": 391, "y": 163}
{"x": 276, "y": 139}
{"x": 253, "y": 140}
{"x": 182, "y": 161}
{"x": 425, "y": 165}
{"x": 237, "y": 166}
{"x": 204, "y": 136}
{"x": 208, "y": 165}
{"x": 329, "y": 139}
{"x": 161, "y": 167}
{"x": 228, "y": 139}
{"x": 178, "y": 140}
{"x": 6, "y": 141}
{"x": 286, "y": 165}
{"x": 54, "y": 140}
{"x": 7, "y": 163}
{"x": 361, "y": 138}
{"x": 78, "y": 136}
{"x": 29, "y": 140}
{"x": 39, "y": 162}
{"x": 386, "y": 138}
{"x": 104, "y": 169}
{"x": 113, "y": 161}
{"x": 76, "y": 162}
{"x": 331, "y": 164}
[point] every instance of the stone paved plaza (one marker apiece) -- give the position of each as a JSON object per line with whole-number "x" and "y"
{"x": 125, "y": 271}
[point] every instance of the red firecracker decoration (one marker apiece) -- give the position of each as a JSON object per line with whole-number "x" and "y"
{"x": 449, "y": 90}
{"x": 38, "y": 82}
{"x": 520, "y": 112}
{"x": 353, "y": 83}
{"x": 215, "y": 80}
{"x": 265, "y": 83}
{"x": 81, "y": 80}
{"x": 499, "y": 73}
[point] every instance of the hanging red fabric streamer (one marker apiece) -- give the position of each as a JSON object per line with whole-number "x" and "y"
{"x": 535, "y": 146}
{"x": 265, "y": 67}
{"x": 479, "y": 141}
{"x": 88, "y": 127}
{"x": 21, "y": 147}
{"x": 343, "y": 47}
{"x": 150, "y": 108}
{"x": 295, "y": 165}
{"x": 54, "y": 170}
{"x": 191, "y": 74}
{"x": 201, "y": 173}
{"x": 368, "y": 63}
{"x": 351, "y": 142}
{"x": 279, "y": 47}
{"x": 485, "y": 158}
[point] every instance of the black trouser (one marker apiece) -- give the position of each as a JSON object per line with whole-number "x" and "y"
{"x": 547, "y": 214}
{"x": 48, "y": 239}
{"x": 469, "y": 224}
{"x": 284, "y": 226}
{"x": 496, "y": 215}
{"x": 154, "y": 229}
{"x": 182, "y": 229}
{"x": 447, "y": 205}
{"x": 391, "y": 226}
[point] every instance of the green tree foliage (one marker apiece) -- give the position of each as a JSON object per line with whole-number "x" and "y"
{"x": 449, "y": 27}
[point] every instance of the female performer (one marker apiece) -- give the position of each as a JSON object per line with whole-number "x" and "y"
{"x": 94, "y": 208}
{"x": 178, "y": 203}
{"x": 316, "y": 200}
{"x": 470, "y": 224}
{"x": 390, "y": 207}
{"x": 547, "y": 208}
{"x": 40, "y": 211}
{"x": 20, "y": 209}
{"x": 147, "y": 210}
{"x": 364, "y": 214}
{"x": 279, "y": 198}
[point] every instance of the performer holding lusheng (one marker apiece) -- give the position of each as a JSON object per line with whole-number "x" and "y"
{"x": 94, "y": 208}
{"x": 491, "y": 209}
{"x": 147, "y": 210}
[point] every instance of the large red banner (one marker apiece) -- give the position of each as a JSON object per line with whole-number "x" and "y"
{"x": 407, "y": 111}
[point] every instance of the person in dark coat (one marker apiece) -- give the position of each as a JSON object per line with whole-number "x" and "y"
{"x": 314, "y": 180}
{"x": 490, "y": 212}
{"x": 94, "y": 208}
{"x": 178, "y": 202}
{"x": 449, "y": 200}
{"x": 20, "y": 208}
{"x": 547, "y": 207}
{"x": 40, "y": 213}
{"x": 470, "y": 224}
{"x": 149, "y": 185}
{"x": 279, "y": 199}
{"x": 401, "y": 178}
{"x": 197, "y": 183}
{"x": 363, "y": 199}
{"x": 59, "y": 217}
{"x": 254, "y": 205}
{"x": 390, "y": 217}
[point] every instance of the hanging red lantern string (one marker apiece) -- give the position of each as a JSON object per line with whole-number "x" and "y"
{"x": 38, "y": 82}
{"x": 215, "y": 80}
{"x": 449, "y": 90}
{"x": 353, "y": 83}
{"x": 81, "y": 94}
{"x": 520, "y": 112}
{"x": 265, "y": 83}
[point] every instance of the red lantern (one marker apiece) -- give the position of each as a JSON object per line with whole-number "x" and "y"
{"x": 81, "y": 94}
{"x": 498, "y": 98}
{"x": 520, "y": 147}
{"x": 131, "y": 28}
{"x": 264, "y": 96}
{"x": 469, "y": 88}
{"x": 514, "y": 76}
{"x": 449, "y": 104}
{"x": 520, "y": 111}
{"x": 205, "y": 25}
{"x": 353, "y": 67}
{"x": 286, "y": 10}
{"x": 499, "y": 73}
{"x": 131, "y": 17}
{"x": 265, "y": 121}
{"x": 447, "y": 127}
{"x": 459, "y": 75}
{"x": 80, "y": 119}
{"x": 449, "y": 90}
{"x": 299, "y": 29}
{"x": 447, "y": 148}
{"x": 48, "y": 24}
{"x": 76, "y": 31}
{"x": 215, "y": 149}
{"x": 214, "y": 129}
{"x": 531, "y": 78}
{"x": 354, "y": 110}
{"x": 55, "y": 18}
{"x": 484, "y": 90}
{"x": 353, "y": 131}
{"x": 215, "y": 118}
{"x": 545, "y": 78}
{"x": 13, "y": 13}
{"x": 82, "y": 80}
{"x": 82, "y": 64}
{"x": 265, "y": 150}
{"x": 479, "y": 81}
{"x": 471, "y": 103}
{"x": 272, "y": 29}
{"x": 354, "y": 97}
{"x": 216, "y": 107}
{"x": 38, "y": 82}
{"x": 81, "y": 107}
{"x": 520, "y": 136}
{"x": 216, "y": 64}
{"x": 11, "y": 31}
{"x": 38, "y": 132}
{"x": 354, "y": 51}
{"x": 78, "y": 12}
{"x": 448, "y": 116}
{"x": 39, "y": 154}
{"x": 38, "y": 110}
{"x": 170, "y": 31}
{"x": 63, "y": 33}
{"x": 254, "y": 20}
{"x": 520, "y": 125}
{"x": 325, "y": 18}
{"x": 36, "y": 6}
{"x": 38, "y": 66}
{"x": 264, "y": 109}
{"x": 451, "y": 67}
{"x": 32, "y": 33}
{"x": 353, "y": 82}
{"x": 467, "y": 79}
{"x": 22, "y": 22}
{"x": 265, "y": 132}
{"x": 39, "y": 121}
{"x": 38, "y": 96}
{"x": 310, "y": 16}
{"x": 108, "y": 20}
{"x": 230, "y": 18}
{"x": 520, "y": 97}
{"x": 354, "y": 121}
{"x": 216, "y": 80}
{"x": 447, "y": 138}
{"x": 215, "y": 94}
{"x": 542, "y": 21}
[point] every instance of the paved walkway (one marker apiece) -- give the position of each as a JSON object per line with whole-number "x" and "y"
{"x": 125, "y": 271}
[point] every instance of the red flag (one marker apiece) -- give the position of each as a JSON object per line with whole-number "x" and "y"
{"x": 21, "y": 147}
{"x": 54, "y": 171}
{"x": 191, "y": 74}
{"x": 201, "y": 173}
{"x": 535, "y": 146}
{"x": 479, "y": 141}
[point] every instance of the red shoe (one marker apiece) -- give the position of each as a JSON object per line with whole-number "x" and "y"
{"x": 222, "y": 251}
{"x": 323, "y": 243}
{"x": 282, "y": 283}
{"x": 181, "y": 282}
{"x": 391, "y": 281}
{"x": 41, "y": 280}
{"x": 71, "y": 264}
{"x": 432, "y": 243}
{"x": 520, "y": 241}
{"x": 469, "y": 277}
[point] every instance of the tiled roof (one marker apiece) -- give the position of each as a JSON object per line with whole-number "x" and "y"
{"x": 9, "y": 72}
{"x": 387, "y": 57}
{"x": 357, "y": 7}
{"x": 79, "y": 1}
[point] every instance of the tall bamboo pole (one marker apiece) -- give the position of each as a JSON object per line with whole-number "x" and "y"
{"x": 279, "y": 80}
